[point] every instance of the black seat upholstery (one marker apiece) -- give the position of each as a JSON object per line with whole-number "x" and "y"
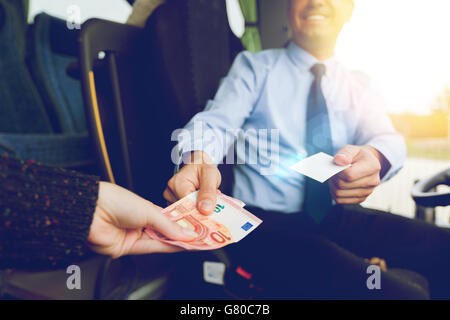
{"x": 192, "y": 48}
{"x": 151, "y": 82}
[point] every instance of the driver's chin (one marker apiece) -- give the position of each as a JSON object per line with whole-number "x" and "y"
{"x": 315, "y": 36}
{"x": 314, "y": 32}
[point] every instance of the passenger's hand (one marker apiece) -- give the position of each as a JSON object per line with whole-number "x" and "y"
{"x": 356, "y": 183}
{"x": 118, "y": 222}
{"x": 199, "y": 174}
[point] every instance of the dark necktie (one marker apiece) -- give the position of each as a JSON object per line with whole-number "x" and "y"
{"x": 317, "y": 201}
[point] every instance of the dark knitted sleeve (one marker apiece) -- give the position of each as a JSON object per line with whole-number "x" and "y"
{"x": 45, "y": 215}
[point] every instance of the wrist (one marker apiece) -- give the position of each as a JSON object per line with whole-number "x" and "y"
{"x": 384, "y": 163}
{"x": 375, "y": 152}
{"x": 103, "y": 188}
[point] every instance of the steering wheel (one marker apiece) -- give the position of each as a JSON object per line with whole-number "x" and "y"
{"x": 423, "y": 191}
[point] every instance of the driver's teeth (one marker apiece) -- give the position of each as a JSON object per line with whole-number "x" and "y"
{"x": 315, "y": 17}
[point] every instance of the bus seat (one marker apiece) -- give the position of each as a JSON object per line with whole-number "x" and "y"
{"x": 52, "y": 47}
{"x": 26, "y": 130}
{"x": 21, "y": 107}
{"x": 150, "y": 82}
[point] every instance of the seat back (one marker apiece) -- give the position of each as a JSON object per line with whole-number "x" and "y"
{"x": 192, "y": 49}
{"x": 116, "y": 98}
{"x": 151, "y": 82}
{"x": 26, "y": 129}
{"x": 52, "y": 47}
{"x": 21, "y": 107}
{"x": 273, "y": 23}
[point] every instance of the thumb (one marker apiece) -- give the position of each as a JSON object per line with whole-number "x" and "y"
{"x": 345, "y": 155}
{"x": 127, "y": 210}
{"x": 209, "y": 182}
{"x": 161, "y": 223}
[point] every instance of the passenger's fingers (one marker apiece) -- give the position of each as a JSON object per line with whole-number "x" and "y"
{"x": 146, "y": 246}
{"x": 159, "y": 222}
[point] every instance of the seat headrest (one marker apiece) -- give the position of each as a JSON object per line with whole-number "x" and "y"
{"x": 191, "y": 46}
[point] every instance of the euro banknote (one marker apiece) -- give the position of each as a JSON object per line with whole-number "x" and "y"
{"x": 229, "y": 223}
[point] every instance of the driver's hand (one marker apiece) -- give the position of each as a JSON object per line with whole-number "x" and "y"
{"x": 200, "y": 174}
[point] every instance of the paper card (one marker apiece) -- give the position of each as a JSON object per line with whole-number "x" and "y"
{"x": 319, "y": 167}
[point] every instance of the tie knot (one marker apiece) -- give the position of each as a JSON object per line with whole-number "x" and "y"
{"x": 318, "y": 70}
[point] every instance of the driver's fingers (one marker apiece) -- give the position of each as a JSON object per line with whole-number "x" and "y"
{"x": 366, "y": 182}
{"x": 169, "y": 196}
{"x": 207, "y": 194}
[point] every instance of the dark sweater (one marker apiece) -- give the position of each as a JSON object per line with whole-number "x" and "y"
{"x": 45, "y": 215}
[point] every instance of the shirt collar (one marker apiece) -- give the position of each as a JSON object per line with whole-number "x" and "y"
{"x": 304, "y": 60}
